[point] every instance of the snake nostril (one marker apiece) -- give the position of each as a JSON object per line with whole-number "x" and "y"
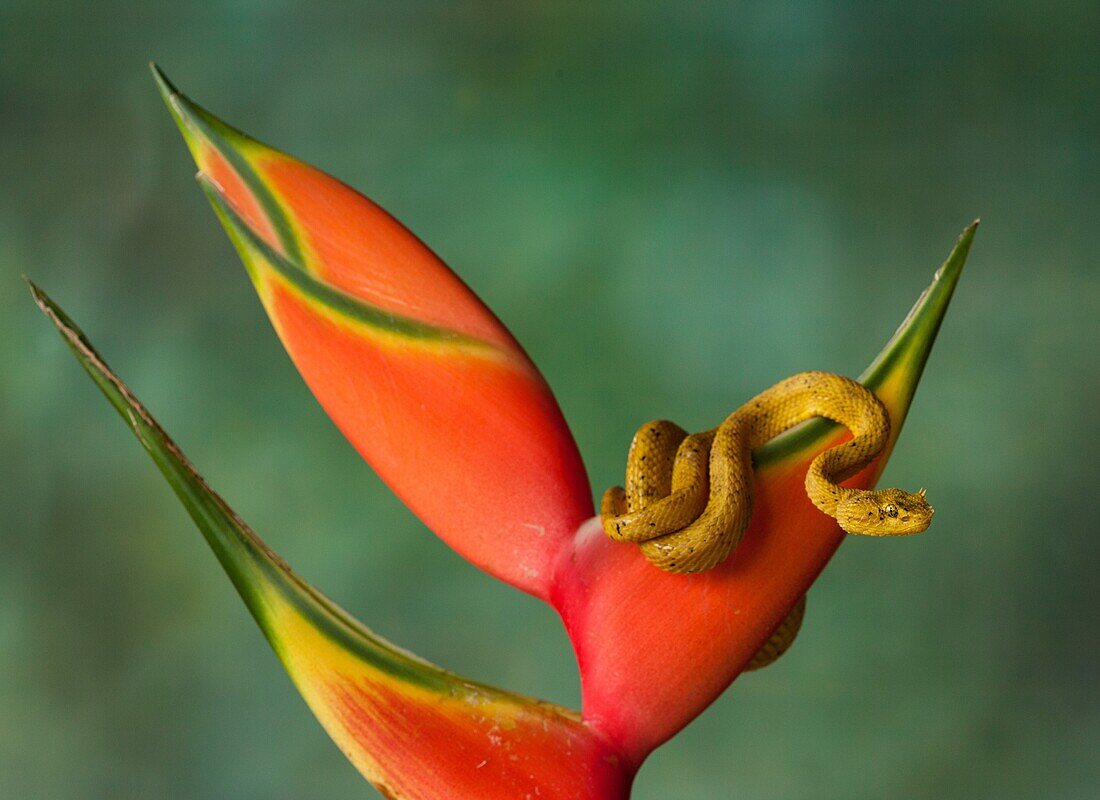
{"x": 905, "y": 518}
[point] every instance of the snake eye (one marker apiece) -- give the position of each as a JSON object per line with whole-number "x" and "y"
{"x": 890, "y": 510}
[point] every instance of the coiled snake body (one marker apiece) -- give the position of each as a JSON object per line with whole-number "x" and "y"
{"x": 688, "y": 498}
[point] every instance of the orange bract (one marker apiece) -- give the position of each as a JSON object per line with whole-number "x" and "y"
{"x": 415, "y": 370}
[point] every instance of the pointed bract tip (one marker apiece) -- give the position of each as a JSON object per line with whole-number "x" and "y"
{"x": 40, "y": 298}
{"x": 192, "y": 121}
{"x": 176, "y": 103}
{"x": 965, "y": 238}
{"x": 168, "y": 89}
{"x": 196, "y": 123}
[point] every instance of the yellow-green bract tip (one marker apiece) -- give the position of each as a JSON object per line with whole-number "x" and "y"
{"x": 183, "y": 111}
{"x": 167, "y": 88}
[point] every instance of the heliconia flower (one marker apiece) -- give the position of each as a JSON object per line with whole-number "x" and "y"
{"x": 436, "y": 394}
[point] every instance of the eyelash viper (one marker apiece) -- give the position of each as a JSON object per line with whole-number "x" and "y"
{"x": 688, "y": 498}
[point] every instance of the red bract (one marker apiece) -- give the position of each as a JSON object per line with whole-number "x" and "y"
{"x": 436, "y": 394}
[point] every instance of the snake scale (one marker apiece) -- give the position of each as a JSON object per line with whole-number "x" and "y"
{"x": 688, "y": 498}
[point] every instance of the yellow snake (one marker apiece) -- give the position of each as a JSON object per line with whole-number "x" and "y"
{"x": 688, "y": 498}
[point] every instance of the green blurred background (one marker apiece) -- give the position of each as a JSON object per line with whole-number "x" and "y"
{"x": 672, "y": 207}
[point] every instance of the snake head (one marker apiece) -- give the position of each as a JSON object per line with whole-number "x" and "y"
{"x": 887, "y": 512}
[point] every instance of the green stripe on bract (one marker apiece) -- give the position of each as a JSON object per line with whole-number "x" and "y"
{"x": 347, "y": 306}
{"x": 224, "y": 138}
{"x": 912, "y": 342}
{"x": 254, "y": 568}
{"x": 917, "y": 333}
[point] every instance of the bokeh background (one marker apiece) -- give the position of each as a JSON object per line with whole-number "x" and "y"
{"x": 672, "y": 207}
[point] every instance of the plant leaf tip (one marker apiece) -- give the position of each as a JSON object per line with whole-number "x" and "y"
{"x": 44, "y": 303}
{"x": 41, "y": 299}
{"x": 185, "y": 113}
{"x": 167, "y": 89}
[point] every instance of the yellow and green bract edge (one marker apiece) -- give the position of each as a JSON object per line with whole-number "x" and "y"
{"x": 412, "y": 728}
